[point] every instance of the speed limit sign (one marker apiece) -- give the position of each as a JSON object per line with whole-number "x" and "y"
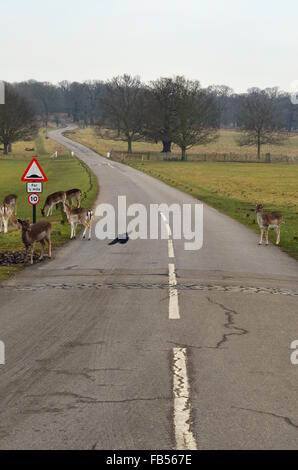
{"x": 33, "y": 199}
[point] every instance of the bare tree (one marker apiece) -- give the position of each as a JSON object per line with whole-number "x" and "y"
{"x": 160, "y": 112}
{"x": 122, "y": 104}
{"x": 17, "y": 119}
{"x": 196, "y": 115}
{"x": 223, "y": 96}
{"x": 45, "y": 97}
{"x": 260, "y": 119}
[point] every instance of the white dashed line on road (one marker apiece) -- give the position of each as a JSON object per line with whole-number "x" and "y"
{"x": 171, "y": 249}
{"x": 174, "y": 313}
{"x": 167, "y": 225}
{"x": 182, "y": 407}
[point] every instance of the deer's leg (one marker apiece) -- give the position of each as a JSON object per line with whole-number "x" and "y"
{"x": 262, "y": 234}
{"x": 26, "y": 254}
{"x": 90, "y": 230}
{"x": 32, "y": 252}
{"x": 84, "y": 234}
{"x": 75, "y": 230}
{"x": 278, "y": 236}
{"x": 5, "y": 225}
{"x": 50, "y": 247}
{"x": 71, "y": 234}
{"x": 267, "y": 235}
{"x": 42, "y": 250}
{"x": 49, "y": 210}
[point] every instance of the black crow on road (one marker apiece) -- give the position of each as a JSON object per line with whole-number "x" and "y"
{"x": 121, "y": 239}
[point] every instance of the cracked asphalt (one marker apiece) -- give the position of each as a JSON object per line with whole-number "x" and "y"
{"x": 89, "y": 343}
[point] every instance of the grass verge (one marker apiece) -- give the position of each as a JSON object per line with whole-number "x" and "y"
{"x": 63, "y": 173}
{"x": 235, "y": 189}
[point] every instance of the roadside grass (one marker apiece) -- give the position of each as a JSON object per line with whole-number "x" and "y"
{"x": 64, "y": 172}
{"x": 90, "y": 138}
{"x": 41, "y": 145}
{"x": 225, "y": 144}
{"x": 235, "y": 189}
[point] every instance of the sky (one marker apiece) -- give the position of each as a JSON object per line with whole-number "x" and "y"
{"x": 239, "y": 43}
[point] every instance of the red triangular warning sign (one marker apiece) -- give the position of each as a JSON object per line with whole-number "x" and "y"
{"x": 34, "y": 173}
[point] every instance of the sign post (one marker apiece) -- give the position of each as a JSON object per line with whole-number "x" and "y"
{"x": 34, "y": 199}
{"x": 34, "y": 176}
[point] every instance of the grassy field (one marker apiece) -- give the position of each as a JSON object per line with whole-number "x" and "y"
{"x": 235, "y": 188}
{"x": 225, "y": 144}
{"x": 41, "y": 146}
{"x": 63, "y": 173}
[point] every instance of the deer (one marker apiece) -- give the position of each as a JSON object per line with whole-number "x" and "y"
{"x": 11, "y": 201}
{"x": 51, "y": 200}
{"x": 39, "y": 232}
{"x": 267, "y": 220}
{"x": 79, "y": 216}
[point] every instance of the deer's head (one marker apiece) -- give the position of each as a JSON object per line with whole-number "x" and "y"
{"x": 25, "y": 224}
{"x": 259, "y": 207}
{"x": 67, "y": 207}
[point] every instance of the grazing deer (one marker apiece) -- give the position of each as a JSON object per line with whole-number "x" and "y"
{"x": 267, "y": 220}
{"x": 74, "y": 194}
{"x": 39, "y": 232}
{"x": 51, "y": 200}
{"x": 79, "y": 216}
{"x": 11, "y": 201}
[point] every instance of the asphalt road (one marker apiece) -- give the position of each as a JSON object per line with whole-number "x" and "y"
{"x": 105, "y": 351}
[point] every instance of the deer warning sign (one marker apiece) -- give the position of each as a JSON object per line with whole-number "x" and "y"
{"x": 34, "y": 173}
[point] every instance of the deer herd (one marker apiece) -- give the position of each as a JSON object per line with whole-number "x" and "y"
{"x": 42, "y": 230}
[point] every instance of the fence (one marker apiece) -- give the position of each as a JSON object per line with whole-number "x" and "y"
{"x": 202, "y": 157}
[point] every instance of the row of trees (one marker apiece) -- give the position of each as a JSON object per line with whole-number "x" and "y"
{"x": 168, "y": 110}
{"x": 80, "y": 101}
{"x": 176, "y": 110}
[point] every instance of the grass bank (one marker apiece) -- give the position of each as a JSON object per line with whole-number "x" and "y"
{"x": 235, "y": 189}
{"x": 63, "y": 173}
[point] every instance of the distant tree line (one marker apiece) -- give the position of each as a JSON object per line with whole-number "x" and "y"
{"x": 80, "y": 101}
{"x": 168, "y": 110}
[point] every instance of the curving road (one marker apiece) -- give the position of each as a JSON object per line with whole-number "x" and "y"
{"x": 146, "y": 346}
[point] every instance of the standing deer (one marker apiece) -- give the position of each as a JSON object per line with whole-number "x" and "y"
{"x": 51, "y": 200}
{"x": 39, "y": 232}
{"x": 11, "y": 201}
{"x": 267, "y": 220}
{"x": 79, "y": 216}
